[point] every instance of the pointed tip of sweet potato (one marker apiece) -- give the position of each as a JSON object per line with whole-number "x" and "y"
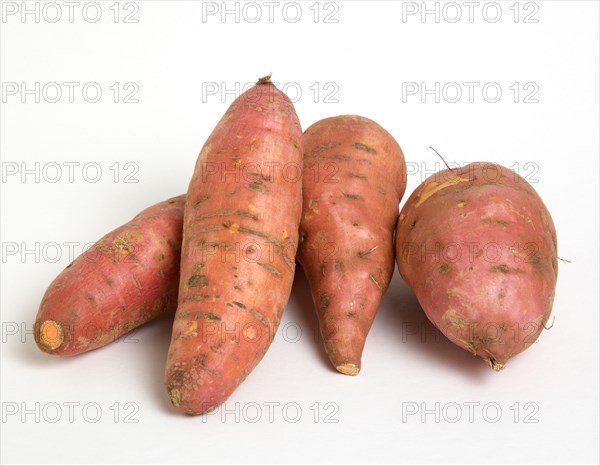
{"x": 348, "y": 369}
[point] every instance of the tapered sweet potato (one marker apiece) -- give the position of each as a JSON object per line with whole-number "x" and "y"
{"x": 127, "y": 278}
{"x": 478, "y": 247}
{"x": 240, "y": 237}
{"x": 354, "y": 178}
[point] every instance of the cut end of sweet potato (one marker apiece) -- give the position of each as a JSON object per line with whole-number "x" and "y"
{"x": 348, "y": 369}
{"x": 51, "y": 335}
{"x": 494, "y": 364}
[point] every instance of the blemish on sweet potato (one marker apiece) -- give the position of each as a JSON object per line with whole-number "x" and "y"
{"x": 323, "y": 147}
{"x": 444, "y": 268}
{"x": 200, "y": 199}
{"x": 433, "y": 187}
{"x": 198, "y": 281}
{"x": 356, "y": 175}
{"x": 343, "y": 157}
{"x": 258, "y": 186}
{"x": 175, "y": 394}
{"x": 364, "y": 147}
{"x": 190, "y": 331}
{"x": 124, "y": 243}
{"x": 270, "y": 268}
{"x": 260, "y": 317}
{"x": 456, "y": 320}
{"x": 324, "y": 301}
{"x": 228, "y": 212}
{"x": 495, "y": 221}
{"x": 375, "y": 281}
{"x": 354, "y": 197}
{"x": 503, "y": 268}
{"x": 362, "y": 254}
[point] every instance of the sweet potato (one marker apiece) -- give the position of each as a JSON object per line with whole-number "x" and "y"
{"x": 478, "y": 247}
{"x": 240, "y": 238}
{"x": 354, "y": 178}
{"x": 127, "y": 278}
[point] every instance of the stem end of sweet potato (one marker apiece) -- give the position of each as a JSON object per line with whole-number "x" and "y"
{"x": 51, "y": 335}
{"x": 265, "y": 79}
{"x": 348, "y": 369}
{"x": 494, "y": 364}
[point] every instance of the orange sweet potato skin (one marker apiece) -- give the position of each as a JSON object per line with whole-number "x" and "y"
{"x": 127, "y": 278}
{"x": 354, "y": 178}
{"x": 478, "y": 247}
{"x": 239, "y": 244}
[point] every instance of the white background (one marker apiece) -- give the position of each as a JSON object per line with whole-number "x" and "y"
{"x": 365, "y": 63}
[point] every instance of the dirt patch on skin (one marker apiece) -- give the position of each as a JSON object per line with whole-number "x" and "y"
{"x": 456, "y": 320}
{"x": 175, "y": 397}
{"x": 123, "y": 243}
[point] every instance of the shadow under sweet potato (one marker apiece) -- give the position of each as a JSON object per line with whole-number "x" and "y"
{"x": 401, "y": 314}
{"x": 302, "y": 312}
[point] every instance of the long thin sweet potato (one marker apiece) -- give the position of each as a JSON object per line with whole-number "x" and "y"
{"x": 354, "y": 178}
{"x": 127, "y": 278}
{"x": 240, "y": 237}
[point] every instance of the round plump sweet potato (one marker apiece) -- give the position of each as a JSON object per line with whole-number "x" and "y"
{"x": 478, "y": 248}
